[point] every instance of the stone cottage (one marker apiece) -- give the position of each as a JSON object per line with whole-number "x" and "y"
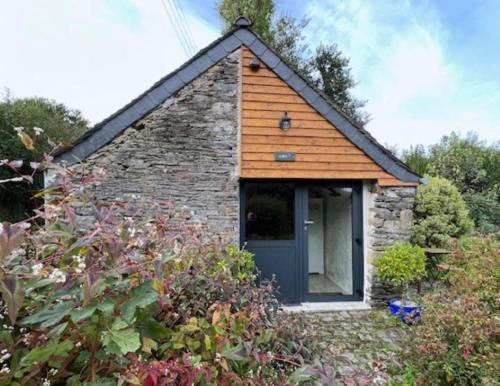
{"x": 246, "y": 144}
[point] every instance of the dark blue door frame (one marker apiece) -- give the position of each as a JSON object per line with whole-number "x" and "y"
{"x": 299, "y": 261}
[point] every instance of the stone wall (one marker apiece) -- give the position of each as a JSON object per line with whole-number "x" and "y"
{"x": 389, "y": 220}
{"x": 186, "y": 151}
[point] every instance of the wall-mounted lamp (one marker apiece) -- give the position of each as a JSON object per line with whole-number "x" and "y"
{"x": 285, "y": 122}
{"x": 254, "y": 64}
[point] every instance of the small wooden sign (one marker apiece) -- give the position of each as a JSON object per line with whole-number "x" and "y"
{"x": 284, "y": 156}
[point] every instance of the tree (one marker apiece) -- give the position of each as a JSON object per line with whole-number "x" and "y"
{"x": 463, "y": 161}
{"x": 58, "y": 122}
{"x": 261, "y": 12}
{"x": 472, "y": 166}
{"x": 417, "y": 158}
{"x": 327, "y": 68}
{"x": 331, "y": 73}
{"x": 440, "y": 213}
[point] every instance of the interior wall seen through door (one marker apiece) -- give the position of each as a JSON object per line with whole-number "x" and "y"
{"x": 330, "y": 241}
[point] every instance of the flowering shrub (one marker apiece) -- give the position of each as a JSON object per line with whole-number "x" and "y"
{"x": 457, "y": 342}
{"x": 134, "y": 298}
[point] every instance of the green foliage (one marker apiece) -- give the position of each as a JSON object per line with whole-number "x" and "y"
{"x": 330, "y": 72}
{"x": 466, "y": 162}
{"x": 401, "y": 264}
{"x": 484, "y": 209}
{"x": 440, "y": 213}
{"x": 327, "y": 68}
{"x": 59, "y": 123}
{"x": 147, "y": 300}
{"x": 457, "y": 341}
{"x": 472, "y": 166}
{"x": 417, "y": 158}
{"x": 260, "y": 12}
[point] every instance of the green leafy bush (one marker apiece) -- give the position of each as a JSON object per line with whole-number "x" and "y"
{"x": 457, "y": 342}
{"x": 401, "y": 264}
{"x": 485, "y": 210}
{"x": 59, "y": 123}
{"x": 139, "y": 300}
{"x": 470, "y": 164}
{"x": 440, "y": 213}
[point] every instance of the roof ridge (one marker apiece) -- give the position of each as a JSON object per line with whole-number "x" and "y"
{"x": 108, "y": 129}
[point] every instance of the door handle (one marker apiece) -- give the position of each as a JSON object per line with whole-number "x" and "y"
{"x": 308, "y": 222}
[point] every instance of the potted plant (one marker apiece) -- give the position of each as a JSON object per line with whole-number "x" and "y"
{"x": 401, "y": 265}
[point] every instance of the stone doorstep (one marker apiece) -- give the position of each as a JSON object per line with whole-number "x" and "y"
{"x": 327, "y": 307}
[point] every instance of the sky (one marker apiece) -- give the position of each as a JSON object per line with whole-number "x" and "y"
{"x": 425, "y": 67}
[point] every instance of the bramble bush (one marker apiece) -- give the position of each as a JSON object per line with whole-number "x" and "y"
{"x": 457, "y": 342}
{"x": 135, "y": 298}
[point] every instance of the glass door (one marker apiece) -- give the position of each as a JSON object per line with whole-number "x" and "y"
{"x": 269, "y": 229}
{"x": 333, "y": 227}
{"x": 307, "y": 236}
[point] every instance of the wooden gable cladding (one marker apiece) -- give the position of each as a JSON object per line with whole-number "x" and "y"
{"x": 321, "y": 151}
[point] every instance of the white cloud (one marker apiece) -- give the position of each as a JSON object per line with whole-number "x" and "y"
{"x": 416, "y": 91}
{"x": 93, "y": 55}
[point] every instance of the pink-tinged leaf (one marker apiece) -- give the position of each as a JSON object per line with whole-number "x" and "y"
{"x": 28, "y": 178}
{"x": 12, "y": 295}
{"x": 15, "y": 164}
{"x": 26, "y": 140}
{"x": 70, "y": 215}
{"x": 11, "y": 237}
{"x": 90, "y": 288}
{"x": 114, "y": 247}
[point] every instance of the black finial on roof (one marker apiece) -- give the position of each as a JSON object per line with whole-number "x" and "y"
{"x": 242, "y": 21}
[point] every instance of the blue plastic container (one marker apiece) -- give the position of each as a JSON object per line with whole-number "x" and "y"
{"x": 409, "y": 313}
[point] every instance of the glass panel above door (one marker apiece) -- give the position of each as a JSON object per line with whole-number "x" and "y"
{"x": 330, "y": 243}
{"x": 269, "y": 211}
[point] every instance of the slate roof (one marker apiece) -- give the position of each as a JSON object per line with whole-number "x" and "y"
{"x": 105, "y": 131}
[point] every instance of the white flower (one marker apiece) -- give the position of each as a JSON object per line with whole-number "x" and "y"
{"x": 37, "y": 130}
{"x": 35, "y": 165}
{"x": 46, "y": 382}
{"x": 18, "y": 130}
{"x": 78, "y": 344}
{"x": 58, "y": 275}
{"x": 37, "y": 268}
{"x": 80, "y": 263}
{"x": 80, "y": 268}
{"x": 4, "y": 357}
{"x": 5, "y": 370}
{"x": 177, "y": 247}
{"x": 132, "y": 231}
{"x": 53, "y": 371}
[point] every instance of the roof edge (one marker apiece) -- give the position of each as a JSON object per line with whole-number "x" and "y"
{"x": 107, "y": 130}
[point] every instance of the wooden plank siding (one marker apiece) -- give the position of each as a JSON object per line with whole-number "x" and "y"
{"x": 322, "y": 151}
